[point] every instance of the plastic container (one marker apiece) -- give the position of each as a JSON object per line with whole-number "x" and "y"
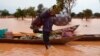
{"x": 2, "y": 32}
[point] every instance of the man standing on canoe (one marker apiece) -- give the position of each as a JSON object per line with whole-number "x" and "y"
{"x": 47, "y": 22}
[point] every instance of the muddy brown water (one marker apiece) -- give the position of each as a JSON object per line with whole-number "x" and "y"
{"x": 74, "y": 48}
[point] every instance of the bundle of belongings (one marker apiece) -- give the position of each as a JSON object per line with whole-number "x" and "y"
{"x": 36, "y": 24}
{"x": 61, "y": 20}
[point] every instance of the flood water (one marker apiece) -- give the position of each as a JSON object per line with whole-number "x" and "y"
{"x": 74, "y": 48}
{"x": 86, "y": 27}
{"x": 70, "y": 49}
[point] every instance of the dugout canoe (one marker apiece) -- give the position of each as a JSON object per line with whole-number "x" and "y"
{"x": 40, "y": 41}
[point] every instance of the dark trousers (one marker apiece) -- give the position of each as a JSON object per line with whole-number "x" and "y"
{"x": 46, "y": 36}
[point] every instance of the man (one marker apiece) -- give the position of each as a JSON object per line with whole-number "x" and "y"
{"x": 47, "y": 23}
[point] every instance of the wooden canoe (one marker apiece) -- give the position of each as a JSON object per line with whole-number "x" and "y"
{"x": 40, "y": 41}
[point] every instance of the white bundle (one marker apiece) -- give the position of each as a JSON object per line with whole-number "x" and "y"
{"x": 61, "y": 20}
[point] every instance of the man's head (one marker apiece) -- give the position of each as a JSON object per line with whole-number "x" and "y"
{"x": 55, "y": 9}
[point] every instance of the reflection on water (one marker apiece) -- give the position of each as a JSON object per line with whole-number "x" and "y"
{"x": 70, "y": 49}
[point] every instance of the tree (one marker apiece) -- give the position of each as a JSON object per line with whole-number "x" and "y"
{"x": 67, "y": 5}
{"x": 17, "y": 15}
{"x": 23, "y": 13}
{"x": 73, "y": 14}
{"x": 31, "y": 12}
{"x": 60, "y": 4}
{"x": 0, "y": 12}
{"x": 80, "y": 15}
{"x": 87, "y": 13}
{"x": 5, "y": 13}
{"x": 20, "y": 13}
{"x": 97, "y": 15}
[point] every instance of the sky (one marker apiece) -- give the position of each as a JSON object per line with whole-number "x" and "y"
{"x": 12, "y": 5}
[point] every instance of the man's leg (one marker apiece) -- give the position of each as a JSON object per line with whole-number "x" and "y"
{"x": 46, "y": 38}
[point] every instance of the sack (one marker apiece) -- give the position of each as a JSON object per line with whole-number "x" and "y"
{"x": 61, "y": 20}
{"x": 36, "y": 23}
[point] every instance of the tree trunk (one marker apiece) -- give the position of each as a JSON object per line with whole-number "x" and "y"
{"x": 82, "y": 18}
{"x": 17, "y": 18}
{"x": 22, "y": 18}
{"x": 32, "y": 18}
{"x": 86, "y": 19}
